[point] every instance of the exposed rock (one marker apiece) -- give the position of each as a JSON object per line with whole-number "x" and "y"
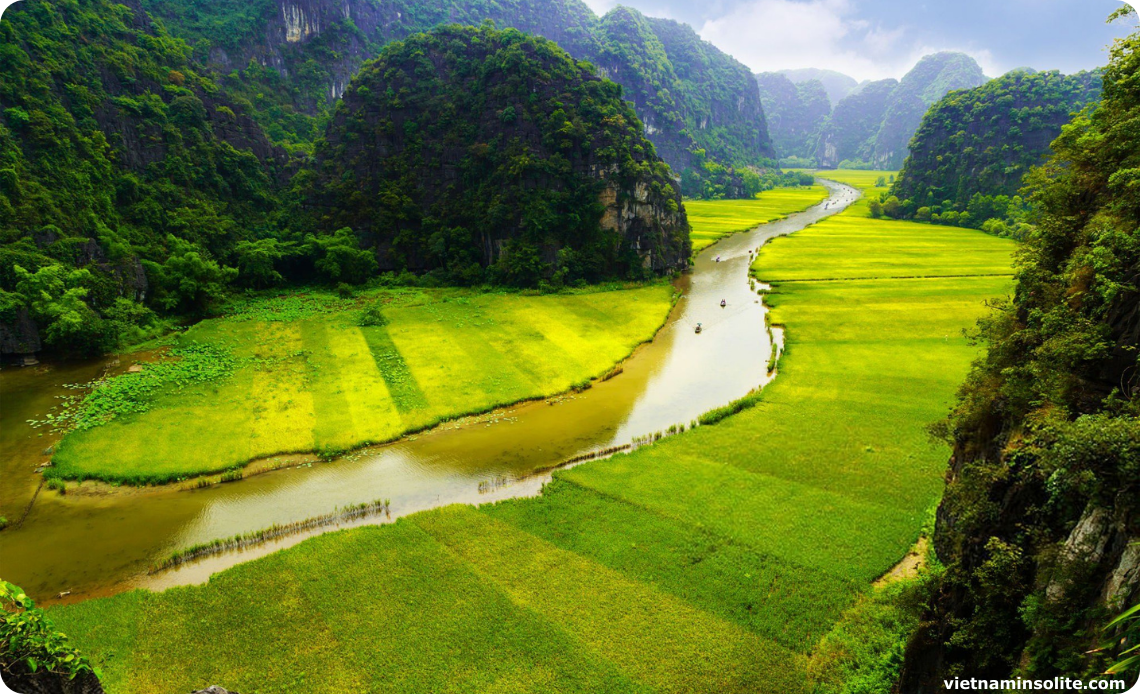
{"x": 214, "y": 689}
{"x": 20, "y": 336}
{"x": 22, "y": 681}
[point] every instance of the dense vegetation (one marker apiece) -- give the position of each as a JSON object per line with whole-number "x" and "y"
{"x": 1039, "y": 525}
{"x": 871, "y": 127}
{"x": 34, "y": 655}
{"x": 974, "y": 148}
{"x": 691, "y": 96}
{"x": 136, "y": 190}
{"x": 933, "y": 77}
{"x": 795, "y": 112}
{"x": 475, "y": 154}
{"x": 127, "y": 179}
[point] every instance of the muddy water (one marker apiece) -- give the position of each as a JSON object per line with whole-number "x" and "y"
{"x": 97, "y": 540}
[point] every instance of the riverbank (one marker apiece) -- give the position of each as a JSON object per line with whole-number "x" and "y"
{"x": 712, "y": 220}
{"x": 299, "y": 373}
{"x": 711, "y": 561}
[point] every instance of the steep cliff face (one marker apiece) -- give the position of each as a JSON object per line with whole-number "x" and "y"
{"x": 795, "y": 112}
{"x": 688, "y": 94}
{"x": 1039, "y": 528}
{"x": 984, "y": 140}
{"x": 850, "y": 130}
{"x": 931, "y": 79}
{"x": 875, "y": 121}
{"x": 481, "y": 154}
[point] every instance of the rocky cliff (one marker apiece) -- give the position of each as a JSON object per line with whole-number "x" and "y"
{"x": 932, "y": 78}
{"x": 477, "y": 154}
{"x": 293, "y": 58}
{"x": 1039, "y": 528}
{"x": 795, "y": 112}
{"x": 850, "y": 130}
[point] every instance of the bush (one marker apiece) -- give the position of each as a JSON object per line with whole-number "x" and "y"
{"x": 28, "y": 638}
{"x": 372, "y": 317}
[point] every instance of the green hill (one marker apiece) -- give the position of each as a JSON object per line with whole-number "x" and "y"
{"x": 467, "y": 148}
{"x": 974, "y": 147}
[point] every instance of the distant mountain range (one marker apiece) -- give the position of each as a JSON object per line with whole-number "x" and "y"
{"x": 868, "y": 124}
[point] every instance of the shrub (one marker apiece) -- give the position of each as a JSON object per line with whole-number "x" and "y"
{"x": 372, "y": 317}
{"x": 28, "y": 637}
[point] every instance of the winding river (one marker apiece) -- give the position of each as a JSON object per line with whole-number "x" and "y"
{"x": 102, "y": 540}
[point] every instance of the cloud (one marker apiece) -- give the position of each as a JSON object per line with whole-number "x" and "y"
{"x": 600, "y": 7}
{"x": 777, "y": 34}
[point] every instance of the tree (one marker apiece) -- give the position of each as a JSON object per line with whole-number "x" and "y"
{"x": 339, "y": 257}
{"x": 188, "y": 281}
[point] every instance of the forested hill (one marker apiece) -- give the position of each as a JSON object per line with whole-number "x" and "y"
{"x": 795, "y": 112}
{"x": 976, "y": 145}
{"x": 293, "y": 59}
{"x": 122, "y": 170}
{"x": 478, "y": 154}
{"x": 836, "y": 84}
{"x": 932, "y": 78}
{"x": 135, "y": 190}
{"x": 849, "y": 133}
{"x": 872, "y": 126}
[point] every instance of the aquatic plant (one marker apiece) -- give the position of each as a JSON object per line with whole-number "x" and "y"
{"x": 245, "y": 540}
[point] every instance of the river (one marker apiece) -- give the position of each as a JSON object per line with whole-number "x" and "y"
{"x": 103, "y": 540}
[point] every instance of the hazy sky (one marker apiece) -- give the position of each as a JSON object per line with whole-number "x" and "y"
{"x": 872, "y": 39}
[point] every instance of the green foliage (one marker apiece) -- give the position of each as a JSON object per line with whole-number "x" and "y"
{"x": 188, "y": 282}
{"x": 111, "y": 145}
{"x": 372, "y": 317}
{"x": 28, "y": 638}
{"x": 132, "y": 393}
{"x": 1047, "y": 420}
{"x": 1127, "y": 642}
{"x": 467, "y": 196}
{"x": 974, "y": 148}
{"x": 339, "y": 257}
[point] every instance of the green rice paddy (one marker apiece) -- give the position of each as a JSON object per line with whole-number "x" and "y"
{"x": 713, "y": 219}
{"x": 712, "y": 561}
{"x": 306, "y": 377}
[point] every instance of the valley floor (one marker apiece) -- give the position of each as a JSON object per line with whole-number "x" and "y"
{"x": 713, "y": 561}
{"x": 712, "y": 220}
{"x": 302, "y": 375}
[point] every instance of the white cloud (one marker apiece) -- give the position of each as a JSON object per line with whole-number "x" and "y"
{"x": 777, "y": 34}
{"x": 600, "y": 7}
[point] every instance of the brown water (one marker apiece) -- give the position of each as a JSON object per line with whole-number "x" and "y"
{"x": 103, "y": 540}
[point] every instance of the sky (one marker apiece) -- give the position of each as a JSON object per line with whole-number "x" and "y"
{"x": 875, "y": 39}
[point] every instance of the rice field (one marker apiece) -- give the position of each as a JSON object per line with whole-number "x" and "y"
{"x": 713, "y": 219}
{"x": 307, "y": 377}
{"x": 712, "y": 561}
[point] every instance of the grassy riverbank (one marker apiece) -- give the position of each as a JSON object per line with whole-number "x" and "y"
{"x": 713, "y": 561}
{"x": 713, "y": 219}
{"x": 298, "y": 373}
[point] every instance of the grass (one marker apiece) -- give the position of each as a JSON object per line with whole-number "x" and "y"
{"x": 297, "y": 373}
{"x": 716, "y": 560}
{"x": 713, "y": 219}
